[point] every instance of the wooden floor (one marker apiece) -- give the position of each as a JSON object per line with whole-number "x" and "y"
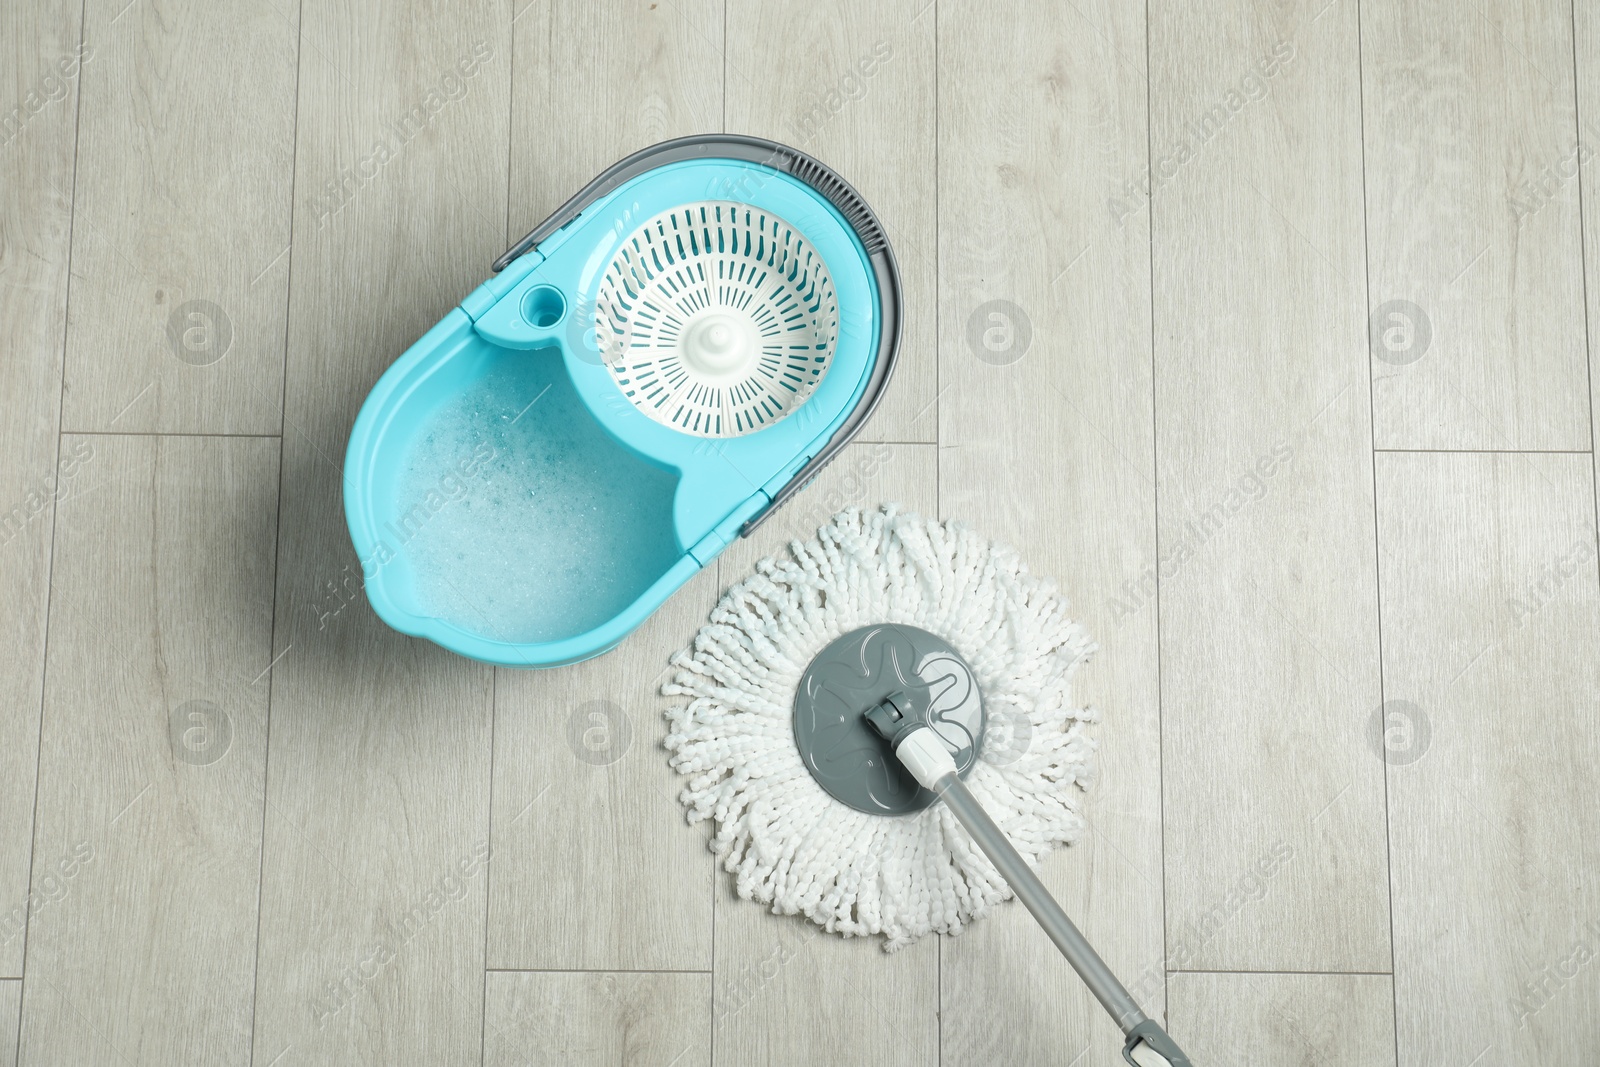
{"x": 1263, "y": 326}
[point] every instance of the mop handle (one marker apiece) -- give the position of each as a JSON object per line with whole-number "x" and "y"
{"x": 902, "y": 719}
{"x": 1031, "y": 891}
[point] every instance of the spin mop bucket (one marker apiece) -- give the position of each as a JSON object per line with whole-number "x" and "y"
{"x": 654, "y": 369}
{"x": 650, "y": 372}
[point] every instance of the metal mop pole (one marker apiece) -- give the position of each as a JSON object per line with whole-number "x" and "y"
{"x": 903, "y": 723}
{"x": 1031, "y": 891}
{"x": 1084, "y": 959}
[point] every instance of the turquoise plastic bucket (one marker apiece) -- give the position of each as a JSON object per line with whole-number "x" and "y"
{"x": 508, "y": 499}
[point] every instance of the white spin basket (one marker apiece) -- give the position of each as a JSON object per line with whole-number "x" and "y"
{"x": 717, "y": 319}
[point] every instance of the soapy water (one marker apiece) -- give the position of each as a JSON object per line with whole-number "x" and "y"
{"x": 521, "y": 519}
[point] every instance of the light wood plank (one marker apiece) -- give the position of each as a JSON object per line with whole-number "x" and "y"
{"x": 1471, "y": 165}
{"x": 41, "y": 43}
{"x": 853, "y": 85}
{"x": 786, "y": 991}
{"x": 1330, "y": 1020}
{"x": 152, "y": 757}
{"x": 373, "y": 886}
{"x": 1047, "y": 444}
{"x": 597, "y": 1020}
{"x": 581, "y": 783}
{"x": 594, "y": 867}
{"x": 1491, "y": 616}
{"x": 182, "y": 217}
{"x": 1269, "y": 643}
{"x": 10, "y": 1020}
{"x": 1586, "y": 25}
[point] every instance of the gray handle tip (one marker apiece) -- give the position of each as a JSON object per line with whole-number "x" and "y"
{"x": 1150, "y": 1046}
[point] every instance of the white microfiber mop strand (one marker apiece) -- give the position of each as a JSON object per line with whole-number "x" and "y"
{"x": 798, "y": 849}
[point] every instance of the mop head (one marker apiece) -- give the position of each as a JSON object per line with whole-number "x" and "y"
{"x": 792, "y": 845}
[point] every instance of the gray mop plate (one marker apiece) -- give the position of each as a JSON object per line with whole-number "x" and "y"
{"x": 854, "y": 673}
